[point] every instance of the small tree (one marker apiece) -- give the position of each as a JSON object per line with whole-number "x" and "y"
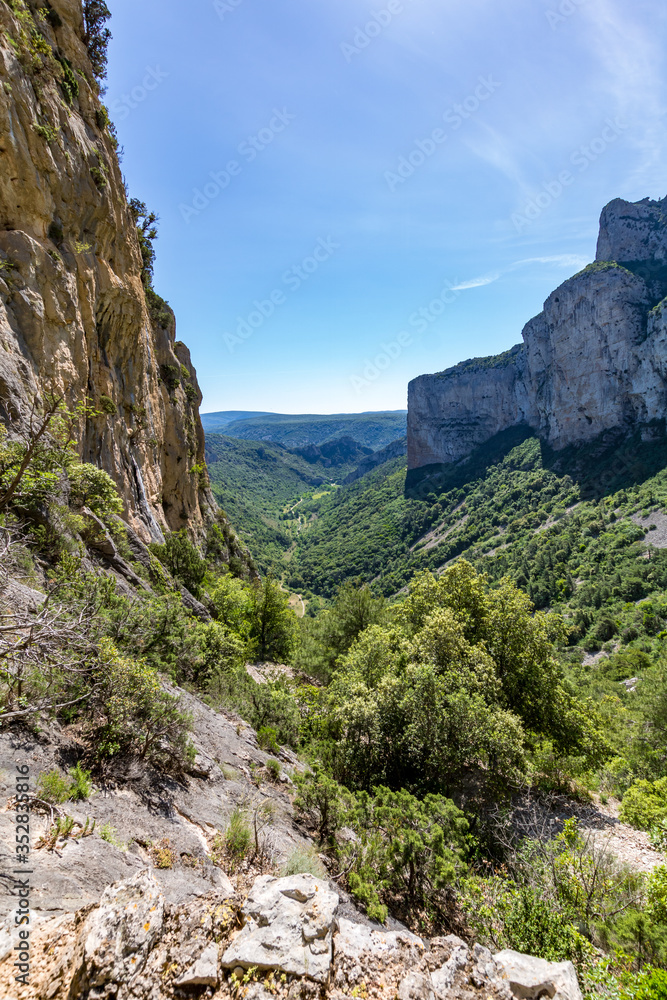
{"x": 145, "y": 222}
{"x": 323, "y": 802}
{"x": 134, "y": 715}
{"x": 273, "y": 623}
{"x": 97, "y": 36}
{"x": 182, "y": 560}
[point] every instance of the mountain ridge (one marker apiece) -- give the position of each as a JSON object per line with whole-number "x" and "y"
{"x": 594, "y": 361}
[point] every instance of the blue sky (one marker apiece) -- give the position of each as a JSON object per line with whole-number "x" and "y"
{"x": 353, "y": 193}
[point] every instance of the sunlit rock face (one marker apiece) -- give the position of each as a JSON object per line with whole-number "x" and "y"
{"x": 73, "y": 311}
{"x": 594, "y": 360}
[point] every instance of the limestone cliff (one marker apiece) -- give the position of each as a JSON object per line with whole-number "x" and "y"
{"x": 74, "y": 314}
{"x": 595, "y": 359}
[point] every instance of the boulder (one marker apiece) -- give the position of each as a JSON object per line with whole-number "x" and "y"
{"x": 117, "y": 936}
{"x": 443, "y": 978}
{"x": 204, "y": 972}
{"x": 530, "y": 978}
{"x": 416, "y": 986}
{"x": 288, "y": 927}
{"x": 361, "y": 951}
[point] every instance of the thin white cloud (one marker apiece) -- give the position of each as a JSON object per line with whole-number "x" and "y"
{"x": 569, "y": 260}
{"x": 475, "y": 282}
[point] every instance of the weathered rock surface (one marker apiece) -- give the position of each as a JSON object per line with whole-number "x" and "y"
{"x": 444, "y": 977}
{"x": 360, "y": 951}
{"x": 595, "y": 359}
{"x": 144, "y": 809}
{"x": 530, "y": 978}
{"x": 288, "y": 927}
{"x": 205, "y": 970}
{"x": 74, "y": 315}
{"x": 116, "y": 938}
{"x": 135, "y": 945}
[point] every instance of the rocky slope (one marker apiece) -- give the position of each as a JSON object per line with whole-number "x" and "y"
{"x": 594, "y": 361}
{"x": 74, "y": 315}
{"x": 285, "y": 939}
{"x": 148, "y": 905}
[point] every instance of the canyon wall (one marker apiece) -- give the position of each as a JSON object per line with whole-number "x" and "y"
{"x": 594, "y": 360}
{"x": 75, "y": 317}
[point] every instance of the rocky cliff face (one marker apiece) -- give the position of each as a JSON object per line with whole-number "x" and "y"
{"x": 594, "y": 360}
{"x": 73, "y": 310}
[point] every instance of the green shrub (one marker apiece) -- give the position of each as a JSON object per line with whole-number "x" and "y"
{"x": 273, "y": 767}
{"x": 322, "y": 802}
{"x": 107, "y": 405}
{"x": 109, "y": 834}
{"x": 273, "y": 623}
{"x": 303, "y": 861}
{"x": 267, "y": 738}
{"x": 53, "y": 787}
{"x": 645, "y": 804}
{"x": 651, "y": 985}
{"x": 270, "y": 705}
{"x": 530, "y": 925}
{"x": 212, "y": 648}
{"x": 183, "y": 560}
{"x": 81, "y": 786}
{"x": 133, "y": 714}
{"x": 238, "y": 835}
{"x": 69, "y": 82}
{"x": 171, "y": 376}
{"x": 407, "y": 850}
{"x": 94, "y": 488}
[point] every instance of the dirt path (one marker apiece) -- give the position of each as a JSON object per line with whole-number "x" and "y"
{"x": 543, "y": 818}
{"x": 631, "y": 847}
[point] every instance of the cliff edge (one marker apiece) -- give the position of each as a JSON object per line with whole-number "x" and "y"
{"x": 595, "y": 359}
{"x": 75, "y": 316}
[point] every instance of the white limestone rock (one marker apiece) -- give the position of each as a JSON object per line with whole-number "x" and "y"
{"x": 118, "y": 935}
{"x": 530, "y": 977}
{"x": 288, "y": 927}
{"x": 360, "y": 951}
{"x": 204, "y": 972}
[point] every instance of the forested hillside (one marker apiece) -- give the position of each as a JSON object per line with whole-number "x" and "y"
{"x": 581, "y": 531}
{"x": 373, "y": 430}
{"x": 262, "y": 487}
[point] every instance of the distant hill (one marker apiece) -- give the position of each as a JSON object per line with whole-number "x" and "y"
{"x": 215, "y": 423}
{"x": 372, "y": 430}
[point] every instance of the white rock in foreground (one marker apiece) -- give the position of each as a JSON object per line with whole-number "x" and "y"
{"x": 288, "y": 926}
{"x": 534, "y": 977}
{"x": 443, "y": 978}
{"x": 360, "y": 949}
{"x": 204, "y": 972}
{"x": 118, "y": 935}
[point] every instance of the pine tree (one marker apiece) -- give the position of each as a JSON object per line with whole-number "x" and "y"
{"x": 97, "y": 36}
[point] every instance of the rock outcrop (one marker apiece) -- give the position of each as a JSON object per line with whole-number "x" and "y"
{"x": 74, "y": 314}
{"x": 288, "y": 928}
{"x": 595, "y": 359}
{"x": 135, "y": 945}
